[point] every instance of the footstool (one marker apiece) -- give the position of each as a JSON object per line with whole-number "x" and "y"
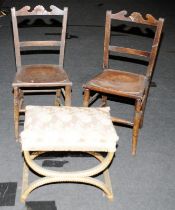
{"x": 67, "y": 129}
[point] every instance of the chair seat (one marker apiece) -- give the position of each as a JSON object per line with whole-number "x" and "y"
{"x": 119, "y": 82}
{"x": 41, "y": 75}
{"x": 49, "y": 128}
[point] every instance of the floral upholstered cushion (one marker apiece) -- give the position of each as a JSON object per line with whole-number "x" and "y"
{"x": 50, "y": 128}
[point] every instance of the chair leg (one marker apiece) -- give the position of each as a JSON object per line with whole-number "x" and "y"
{"x": 143, "y": 111}
{"x": 68, "y": 95}
{"x": 57, "y": 97}
{"x": 142, "y": 118}
{"x": 16, "y": 112}
{"x": 86, "y": 97}
{"x": 104, "y": 101}
{"x": 137, "y": 119}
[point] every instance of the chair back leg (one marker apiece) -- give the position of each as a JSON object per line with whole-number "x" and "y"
{"x": 68, "y": 95}
{"x": 16, "y": 112}
{"x": 137, "y": 120}
{"x": 86, "y": 97}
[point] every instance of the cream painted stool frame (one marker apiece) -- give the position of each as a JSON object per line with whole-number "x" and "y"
{"x": 50, "y": 176}
{"x": 63, "y": 129}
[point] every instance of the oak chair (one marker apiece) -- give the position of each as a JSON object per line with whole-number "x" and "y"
{"x": 39, "y": 78}
{"x": 119, "y": 82}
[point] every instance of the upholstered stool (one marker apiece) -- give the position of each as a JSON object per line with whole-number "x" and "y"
{"x": 49, "y": 128}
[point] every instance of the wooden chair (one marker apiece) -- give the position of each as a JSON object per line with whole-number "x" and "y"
{"x": 122, "y": 83}
{"x": 39, "y": 78}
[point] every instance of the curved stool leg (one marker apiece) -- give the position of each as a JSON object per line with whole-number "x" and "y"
{"x": 76, "y": 176}
{"x": 49, "y": 180}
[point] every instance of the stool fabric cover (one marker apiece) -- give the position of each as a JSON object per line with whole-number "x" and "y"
{"x": 50, "y": 128}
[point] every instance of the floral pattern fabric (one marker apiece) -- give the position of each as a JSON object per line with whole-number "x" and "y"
{"x": 50, "y": 128}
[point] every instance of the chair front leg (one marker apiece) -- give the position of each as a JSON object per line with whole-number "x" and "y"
{"x": 68, "y": 95}
{"x": 16, "y": 112}
{"x": 86, "y": 97}
{"x": 137, "y": 118}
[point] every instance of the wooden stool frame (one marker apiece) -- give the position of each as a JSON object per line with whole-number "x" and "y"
{"x": 50, "y": 176}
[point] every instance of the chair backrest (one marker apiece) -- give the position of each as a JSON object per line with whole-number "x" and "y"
{"x": 38, "y": 11}
{"x": 138, "y": 20}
